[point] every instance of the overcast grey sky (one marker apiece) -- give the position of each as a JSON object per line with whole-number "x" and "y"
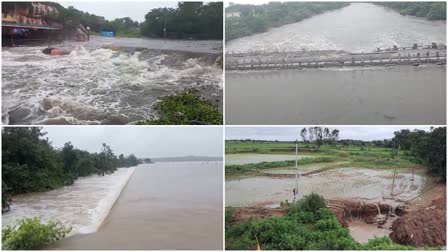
{"x": 136, "y": 10}
{"x": 292, "y": 133}
{"x": 149, "y": 142}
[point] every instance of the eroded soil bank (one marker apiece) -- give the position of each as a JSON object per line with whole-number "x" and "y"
{"x": 418, "y": 223}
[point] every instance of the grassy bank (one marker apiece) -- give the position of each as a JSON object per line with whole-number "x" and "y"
{"x": 254, "y": 169}
{"x": 309, "y": 225}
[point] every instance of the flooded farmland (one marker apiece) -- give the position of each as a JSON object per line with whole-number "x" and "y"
{"x": 105, "y": 80}
{"x": 342, "y": 183}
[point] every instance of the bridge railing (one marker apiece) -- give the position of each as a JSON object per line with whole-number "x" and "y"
{"x": 438, "y": 57}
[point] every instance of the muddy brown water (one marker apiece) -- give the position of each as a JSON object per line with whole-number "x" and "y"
{"x": 362, "y": 232}
{"x": 359, "y": 27}
{"x": 164, "y": 206}
{"x": 342, "y": 183}
{"x": 376, "y": 95}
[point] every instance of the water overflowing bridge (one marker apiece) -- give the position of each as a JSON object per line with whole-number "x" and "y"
{"x": 333, "y": 58}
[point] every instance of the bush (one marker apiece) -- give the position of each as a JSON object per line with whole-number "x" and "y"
{"x": 183, "y": 109}
{"x": 384, "y": 243}
{"x": 310, "y": 203}
{"x": 31, "y": 234}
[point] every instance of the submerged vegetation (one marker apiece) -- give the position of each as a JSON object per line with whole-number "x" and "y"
{"x": 184, "y": 108}
{"x": 32, "y": 164}
{"x": 429, "y": 10}
{"x": 245, "y": 19}
{"x": 31, "y": 234}
{"x": 309, "y": 225}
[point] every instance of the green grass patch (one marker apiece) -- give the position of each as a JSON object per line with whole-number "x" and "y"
{"x": 252, "y": 169}
{"x": 309, "y": 225}
{"x": 183, "y": 109}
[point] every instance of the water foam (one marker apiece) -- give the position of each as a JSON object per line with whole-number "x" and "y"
{"x": 83, "y": 205}
{"x": 95, "y": 86}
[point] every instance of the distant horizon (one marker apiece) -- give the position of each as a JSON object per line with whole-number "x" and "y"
{"x": 291, "y": 134}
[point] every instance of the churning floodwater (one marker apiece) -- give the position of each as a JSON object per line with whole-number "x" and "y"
{"x": 176, "y": 205}
{"x": 371, "y": 95}
{"x": 105, "y": 80}
{"x": 359, "y": 27}
{"x": 343, "y": 183}
{"x": 83, "y": 205}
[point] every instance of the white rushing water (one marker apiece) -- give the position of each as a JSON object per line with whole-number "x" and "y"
{"x": 83, "y": 205}
{"x": 93, "y": 85}
{"x": 359, "y": 27}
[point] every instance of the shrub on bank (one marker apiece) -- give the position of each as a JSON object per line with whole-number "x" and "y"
{"x": 184, "y": 109}
{"x": 31, "y": 234}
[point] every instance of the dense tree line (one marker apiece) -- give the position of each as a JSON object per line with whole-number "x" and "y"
{"x": 319, "y": 136}
{"x": 429, "y": 10}
{"x": 428, "y": 147}
{"x": 32, "y": 164}
{"x": 246, "y": 19}
{"x": 73, "y": 16}
{"x": 189, "y": 20}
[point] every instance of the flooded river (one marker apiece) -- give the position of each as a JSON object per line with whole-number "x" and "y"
{"x": 349, "y": 95}
{"x": 343, "y": 183}
{"x": 83, "y": 205}
{"x": 359, "y": 27}
{"x": 105, "y": 80}
{"x": 164, "y": 206}
{"x": 376, "y": 95}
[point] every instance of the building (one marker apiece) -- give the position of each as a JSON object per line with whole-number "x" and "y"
{"x": 24, "y": 22}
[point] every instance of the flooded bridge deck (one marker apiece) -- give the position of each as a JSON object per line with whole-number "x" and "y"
{"x": 332, "y": 58}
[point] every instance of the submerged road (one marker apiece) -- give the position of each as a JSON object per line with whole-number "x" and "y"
{"x": 164, "y": 206}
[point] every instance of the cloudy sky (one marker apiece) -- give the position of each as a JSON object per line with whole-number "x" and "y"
{"x": 291, "y": 133}
{"x": 149, "y": 142}
{"x": 113, "y": 9}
